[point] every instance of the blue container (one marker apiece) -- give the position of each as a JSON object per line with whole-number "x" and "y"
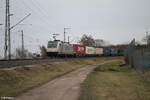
{"x": 107, "y": 52}
{"x": 114, "y": 52}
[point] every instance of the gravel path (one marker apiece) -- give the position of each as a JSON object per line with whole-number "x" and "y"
{"x": 66, "y": 87}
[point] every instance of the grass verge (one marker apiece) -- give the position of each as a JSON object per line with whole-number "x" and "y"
{"x": 111, "y": 82}
{"x": 18, "y": 80}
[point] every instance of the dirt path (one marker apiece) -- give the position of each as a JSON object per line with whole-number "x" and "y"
{"x": 66, "y": 87}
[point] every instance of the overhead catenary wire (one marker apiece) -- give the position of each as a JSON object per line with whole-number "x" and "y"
{"x": 27, "y": 6}
{"x": 42, "y": 10}
{"x": 43, "y": 16}
{"x": 37, "y": 5}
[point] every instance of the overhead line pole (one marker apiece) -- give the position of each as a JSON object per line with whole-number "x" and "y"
{"x": 9, "y": 35}
{"x": 7, "y": 48}
{"x": 6, "y": 30}
{"x": 68, "y": 39}
{"x": 22, "y": 44}
{"x": 65, "y": 33}
{"x": 147, "y": 38}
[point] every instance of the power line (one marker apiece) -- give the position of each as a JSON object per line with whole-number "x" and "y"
{"x": 39, "y": 12}
{"x": 37, "y": 5}
{"x": 20, "y": 21}
{"x": 43, "y": 11}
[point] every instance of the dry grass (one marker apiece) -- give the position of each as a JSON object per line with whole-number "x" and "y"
{"x": 15, "y": 81}
{"x": 147, "y": 75}
{"x": 121, "y": 83}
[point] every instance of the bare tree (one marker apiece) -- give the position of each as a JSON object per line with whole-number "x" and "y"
{"x": 146, "y": 39}
{"x": 101, "y": 43}
{"x": 87, "y": 40}
{"x": 43, "y": 51}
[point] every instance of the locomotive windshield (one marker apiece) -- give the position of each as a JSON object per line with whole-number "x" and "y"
{"x": 52, "y": 44}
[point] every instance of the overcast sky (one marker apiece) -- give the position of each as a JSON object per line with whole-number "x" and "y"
{"x": 116, "y": 21}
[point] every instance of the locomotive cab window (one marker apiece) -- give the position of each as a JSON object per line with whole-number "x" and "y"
{"x": 52, "y": 44}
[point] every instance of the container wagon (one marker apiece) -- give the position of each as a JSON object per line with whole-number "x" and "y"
{"x": 114, "y": 52}
{"x": 90, "y": 51}
{"x": 106, "y": 52}
{"x": 98, "y": 51}
{"x": 79, "y": 50}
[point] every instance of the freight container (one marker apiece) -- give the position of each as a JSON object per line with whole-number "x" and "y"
{"x": 79, "y": 49}
{"x": 90, "y": 50}
{"x": 114, "y": 52}
{"x": 106, "y": 52}
{"x": 98, "y": 51}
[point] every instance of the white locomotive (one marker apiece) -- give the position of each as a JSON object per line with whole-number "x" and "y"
{"x": 53, "y": 47}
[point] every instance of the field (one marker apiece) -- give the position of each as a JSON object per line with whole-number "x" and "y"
{"x": 14, "y": 81}
{"x": 112, "y": 82}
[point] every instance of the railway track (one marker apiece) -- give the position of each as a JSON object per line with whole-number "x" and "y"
{"x": 24, "y": 62}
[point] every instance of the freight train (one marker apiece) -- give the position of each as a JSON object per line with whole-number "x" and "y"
{"x": 58, "y": 48}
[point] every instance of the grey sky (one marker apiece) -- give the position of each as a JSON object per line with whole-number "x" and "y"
{"x": 116, "y": 21}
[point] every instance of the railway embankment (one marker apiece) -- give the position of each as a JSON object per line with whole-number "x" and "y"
{"x": 16, "y": 80}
